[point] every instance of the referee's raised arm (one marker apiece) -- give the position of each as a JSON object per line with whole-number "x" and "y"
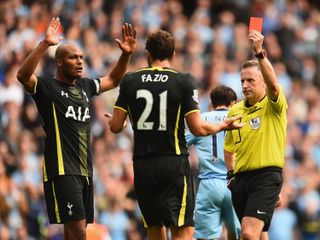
{"x": 267, "y": 71}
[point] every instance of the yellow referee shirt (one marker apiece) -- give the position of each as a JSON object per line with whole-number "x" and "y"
{"x": 262, "y": 141}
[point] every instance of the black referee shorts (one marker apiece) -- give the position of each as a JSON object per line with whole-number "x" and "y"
{"x": 164, "y": 190}
{"x": 69, "y": 198}
{"x": 255, "y": 193}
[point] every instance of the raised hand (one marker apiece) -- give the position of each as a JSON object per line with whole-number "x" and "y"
{"x": 256, "y": 40}
{"x": 129, "y": 38}
{"x": 51, "y": 36}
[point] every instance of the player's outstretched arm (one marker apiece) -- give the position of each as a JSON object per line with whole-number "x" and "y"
{"x": 198, "y": 127}
{"x": 127, "y": 45}
{"x": 25, "y": 73}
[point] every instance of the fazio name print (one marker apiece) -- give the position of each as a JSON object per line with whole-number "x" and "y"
{"x": 78, "y": 114}
{"x": 155, "y": 78}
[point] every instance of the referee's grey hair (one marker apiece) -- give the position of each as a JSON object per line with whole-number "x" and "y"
{"x": 250, "y": 63}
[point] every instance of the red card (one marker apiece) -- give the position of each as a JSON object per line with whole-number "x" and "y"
{"x": 255, "y": 24}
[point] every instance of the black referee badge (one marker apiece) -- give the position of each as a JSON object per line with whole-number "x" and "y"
{"x": 255, "y": 123}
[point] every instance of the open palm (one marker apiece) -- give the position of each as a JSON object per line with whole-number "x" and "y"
{"x": 129, "y": 38}
{"x": 51, "y": 36}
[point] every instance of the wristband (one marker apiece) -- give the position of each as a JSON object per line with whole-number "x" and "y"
{"x": 230, "y": 174}
{"x": 261, "y": 55}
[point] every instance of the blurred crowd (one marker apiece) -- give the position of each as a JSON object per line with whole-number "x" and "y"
{"x": 211, "y": 44}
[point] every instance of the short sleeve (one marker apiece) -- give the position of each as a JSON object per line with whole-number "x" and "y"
{"x": 190, "y": 100}
{"x": 97, "y": 85}
{"x": 281, "y": 104}
{"x": 92, "y": 86}
{"x": 121, "y": 102}
{"x": 40, "y": 89}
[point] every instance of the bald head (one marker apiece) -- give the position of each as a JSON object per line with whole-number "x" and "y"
{"x": 69, "y": 62}
{"x": 64, "y": 49}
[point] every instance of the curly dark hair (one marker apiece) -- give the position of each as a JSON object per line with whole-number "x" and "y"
{"x": 160, "y": 45}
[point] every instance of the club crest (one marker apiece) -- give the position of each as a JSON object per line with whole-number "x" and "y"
{"x": 69, "y": 205}
{"x": 255, "y": 123}
{"x": 195, "y": 96}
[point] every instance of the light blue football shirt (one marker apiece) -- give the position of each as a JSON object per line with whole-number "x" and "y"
{"x": 210, "y": 148}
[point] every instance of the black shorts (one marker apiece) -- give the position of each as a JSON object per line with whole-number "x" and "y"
{"x": 164, "y": 190}
{"x": 255, "y": 193}
{"x": 69, "y": 198}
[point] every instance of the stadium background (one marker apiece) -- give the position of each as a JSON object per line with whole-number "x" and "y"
{"x": 211, "y": 40}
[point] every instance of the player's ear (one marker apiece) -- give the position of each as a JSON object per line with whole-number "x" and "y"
{"x": 173, "y": 55}
{"x": 59, "y": 62}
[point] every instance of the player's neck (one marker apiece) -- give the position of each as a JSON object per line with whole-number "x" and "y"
{"x": 162, "y": 64}
{"x": 221, "y": 107}
{"x": 252, "y": 101}
{"x": 65, "y": 80}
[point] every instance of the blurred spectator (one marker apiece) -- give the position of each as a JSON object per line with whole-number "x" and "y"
{"x": 283, "y": 214}
{"x": 10, "y": 90}
{"x": 115, "y": 219}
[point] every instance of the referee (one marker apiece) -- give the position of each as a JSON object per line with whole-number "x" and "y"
{"x": 255, "y": 154}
